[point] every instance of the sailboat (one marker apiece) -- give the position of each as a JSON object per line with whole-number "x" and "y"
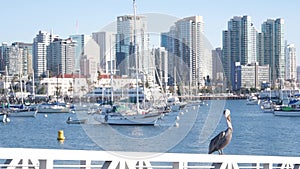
{"x": 173, "y": 100}
{"x": 130, "y": 113}
{"x": 57, "y": 106}
{"x": 22, "y": 110}
{"x": 267, "y": 106}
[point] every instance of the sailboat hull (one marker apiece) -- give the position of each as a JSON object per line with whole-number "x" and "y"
{"x": 128, "y": 119}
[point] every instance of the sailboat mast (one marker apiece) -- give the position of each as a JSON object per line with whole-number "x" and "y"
{"x": 6, "y": 87}
{"x": 175, "y": 83}
{"x": 135, "y": 55}
{"x": 33, "y": 90}
{"x": 111, "y": 74}
{"x": 21, "y": 84}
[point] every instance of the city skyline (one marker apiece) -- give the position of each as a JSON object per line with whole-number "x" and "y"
{"x": 21, "y": 21}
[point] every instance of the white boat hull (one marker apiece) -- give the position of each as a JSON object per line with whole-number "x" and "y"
{"x": 287, "y": 113}
{"x": 52, "y": 109}
{"x": 268, "y": 110}
{"x": 22, "y": 113}
{"x": 128, "y": 119}
{"x": 267, "y": 107}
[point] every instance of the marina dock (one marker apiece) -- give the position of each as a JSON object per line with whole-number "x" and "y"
{"x": 85, "y": 159}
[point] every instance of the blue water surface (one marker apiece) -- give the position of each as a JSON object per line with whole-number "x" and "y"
{"x": 188, "y": 131}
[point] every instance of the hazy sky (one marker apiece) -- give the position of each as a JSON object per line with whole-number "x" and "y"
{"x": 21, "y": 20}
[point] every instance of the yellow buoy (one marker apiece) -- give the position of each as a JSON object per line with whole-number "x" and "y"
{"x": 60, "y": 135}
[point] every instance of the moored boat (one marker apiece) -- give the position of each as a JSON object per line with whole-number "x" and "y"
{"x": 53, "y": 108}
{"x": 287, "y": 113}
{"x": 119, "y": 119}
{"x": 128, "y": 115}
{"x": 252, "y": 100}
{"x": 267, "y": 106}
{"x": 290, "y": 110}
{"x": 22, "y": 113}
{"x": 76, "y": 121}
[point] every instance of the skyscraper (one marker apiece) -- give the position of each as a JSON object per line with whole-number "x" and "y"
{"x": 13, "y": 60}
{"x": 3, "y": 56}
{"x": 17, "y": 58}
{"x": 131, "y": 41}
{"x": 91, "y": 60}
{"x": 273, "y": 33}
{"x": 81, "y": 40}
{"x": 291, "y": 66}
{"x": 40, "y": 47}
{"x": 239, "y": 45}
{"x": 260, "y": 49}
{"x": 25, "y": 55}
{"x": 106, "y": 42}
{"x": 170, "y": 43}
{"x": 191, "y": 51}
{"x": 61, "y": 56}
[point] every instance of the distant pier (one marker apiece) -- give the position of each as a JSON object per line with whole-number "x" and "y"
{"x": 214, "y": 97}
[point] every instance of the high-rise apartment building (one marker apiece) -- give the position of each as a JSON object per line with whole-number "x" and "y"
{"x": 260, "y": 49}
{"x": 25, "y": 55}
{"x": 239, "y": 45}
{"x": 185, "y": 43}
{"x": 191, "y": 49}
{"x": 61, "y": 56}
{"x": 40, "y": 47}
{"x": 17, "y": 58}
{"x": 273, "y": 33}
{"x": 291, "y": 66}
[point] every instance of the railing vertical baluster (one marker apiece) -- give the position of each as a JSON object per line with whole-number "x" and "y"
{"x": 86, "y": 163}
{"x": 46, "y": 164}
{"x": 267, "y": 166}
{"x": 256, "y": 165}
{"x": 179, "y": 165}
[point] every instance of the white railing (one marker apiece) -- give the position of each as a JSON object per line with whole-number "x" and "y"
{"x": 85, "y": 159}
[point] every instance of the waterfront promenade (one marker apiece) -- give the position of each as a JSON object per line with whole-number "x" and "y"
{"x": 85, "y": 159}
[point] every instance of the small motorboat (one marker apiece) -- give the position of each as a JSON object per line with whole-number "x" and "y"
{"x": 71, "y": 121}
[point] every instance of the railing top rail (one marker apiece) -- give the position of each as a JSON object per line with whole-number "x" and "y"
{"x": 57, "y": 154}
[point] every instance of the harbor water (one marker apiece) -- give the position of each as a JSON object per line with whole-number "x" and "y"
{"x": 187, "y": 131}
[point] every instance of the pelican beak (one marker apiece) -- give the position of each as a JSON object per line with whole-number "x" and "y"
{"x": 229, "y": 119}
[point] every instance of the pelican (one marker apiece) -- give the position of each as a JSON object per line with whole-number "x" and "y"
{"x": 219, "y": 142}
